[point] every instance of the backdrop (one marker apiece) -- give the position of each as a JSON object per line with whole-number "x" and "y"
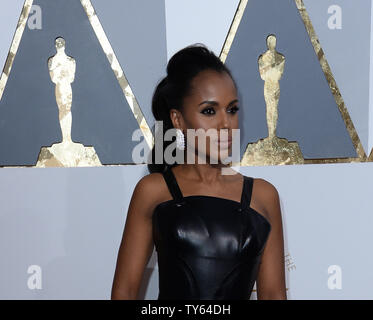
{"x": 61, "y": 225}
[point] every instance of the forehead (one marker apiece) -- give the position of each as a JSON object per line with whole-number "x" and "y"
{"x": 210, "y": 84}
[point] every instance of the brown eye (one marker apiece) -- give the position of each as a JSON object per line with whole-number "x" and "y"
{"x": 234, "y": 109}
{"x": 205, "y": 111}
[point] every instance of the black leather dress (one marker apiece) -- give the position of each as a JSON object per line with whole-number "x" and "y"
{"x": 208, "y": 248}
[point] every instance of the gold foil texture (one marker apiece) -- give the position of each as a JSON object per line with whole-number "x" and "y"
{"x": 15, "y": 44}
{"x": 272, "y": 150}
{"x": 277, "y": 145}
{"x": 280, "y": 151}
{"x": 67, "y": 153}
{"x": 128, "y": 93}
{"x": 58, "y": 155}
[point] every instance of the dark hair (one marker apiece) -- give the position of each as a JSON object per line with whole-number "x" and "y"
{"x": 171, "y": 90}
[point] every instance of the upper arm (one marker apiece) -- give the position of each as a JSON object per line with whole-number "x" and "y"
{"x": 137, "y": 242}
{"x": 270, "y": 282}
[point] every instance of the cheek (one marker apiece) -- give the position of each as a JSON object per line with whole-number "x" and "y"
{"x": 198, "y": 120}
{"x": 235, "y": 122}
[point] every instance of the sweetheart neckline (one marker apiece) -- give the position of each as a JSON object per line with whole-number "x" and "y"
{"x": 212, "y": 197}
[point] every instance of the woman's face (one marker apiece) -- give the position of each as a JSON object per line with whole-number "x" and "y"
{"x": 212, "y": 104}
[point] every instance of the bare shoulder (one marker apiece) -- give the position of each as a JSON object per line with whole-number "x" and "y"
{"x": 267, "y": 189}
{"x": 149, "y": 181}
{"x": 266, "y": 197}
{"x": 148, "y": 191}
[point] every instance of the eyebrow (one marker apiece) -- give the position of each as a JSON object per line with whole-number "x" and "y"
{"x": 214, "y": 103}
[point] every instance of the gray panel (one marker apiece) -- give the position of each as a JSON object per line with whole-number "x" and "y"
{"x": 136, "y": 30}
{"x": 308, "y": 112}
{"x": 28, "y": 110}
{"x": 348, "y": 54}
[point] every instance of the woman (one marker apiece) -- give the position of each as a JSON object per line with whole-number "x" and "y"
{"x": 215, "y": 234}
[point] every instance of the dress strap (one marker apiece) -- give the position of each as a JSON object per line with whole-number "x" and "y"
{"x": 246, "y": 192}
{"x": 173, "y": 185}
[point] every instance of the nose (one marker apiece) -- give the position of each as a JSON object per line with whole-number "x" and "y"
{"x": 224, "y": 121}
{"x": 224, "y": 124}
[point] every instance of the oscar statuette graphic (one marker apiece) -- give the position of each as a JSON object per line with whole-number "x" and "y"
{"x": 272, "y": 150}
{"x": 66, "y": 153}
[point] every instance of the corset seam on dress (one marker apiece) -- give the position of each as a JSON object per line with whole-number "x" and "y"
{"x": 185, "y": 268}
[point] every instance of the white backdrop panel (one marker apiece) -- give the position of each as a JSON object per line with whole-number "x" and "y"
{"x": 192, "y": 21}
{"x": 69, "y": 222}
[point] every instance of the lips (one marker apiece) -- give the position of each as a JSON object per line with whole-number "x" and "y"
{"x": 225, "y": 140}
{"x": 224, "y": 143}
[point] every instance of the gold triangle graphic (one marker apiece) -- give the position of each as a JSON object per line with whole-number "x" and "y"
{"x": 118, "y": 71}
{"x": 333, "y": 87}
{"x": 15, "y": 44}
{"x": 54, "y": 160}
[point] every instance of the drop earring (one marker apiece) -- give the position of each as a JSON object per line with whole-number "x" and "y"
{"x": 180, "y": 142}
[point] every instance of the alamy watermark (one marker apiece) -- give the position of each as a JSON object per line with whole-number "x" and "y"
{"x": 218, "y": 143}
{"x": 335, "y": 19}
{"x": 335, "y": 277}
{"x": 34, "y": 280}
{"x": 34, "y": 21}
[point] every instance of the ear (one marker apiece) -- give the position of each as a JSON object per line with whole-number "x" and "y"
{"x": 176, "y": 118}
